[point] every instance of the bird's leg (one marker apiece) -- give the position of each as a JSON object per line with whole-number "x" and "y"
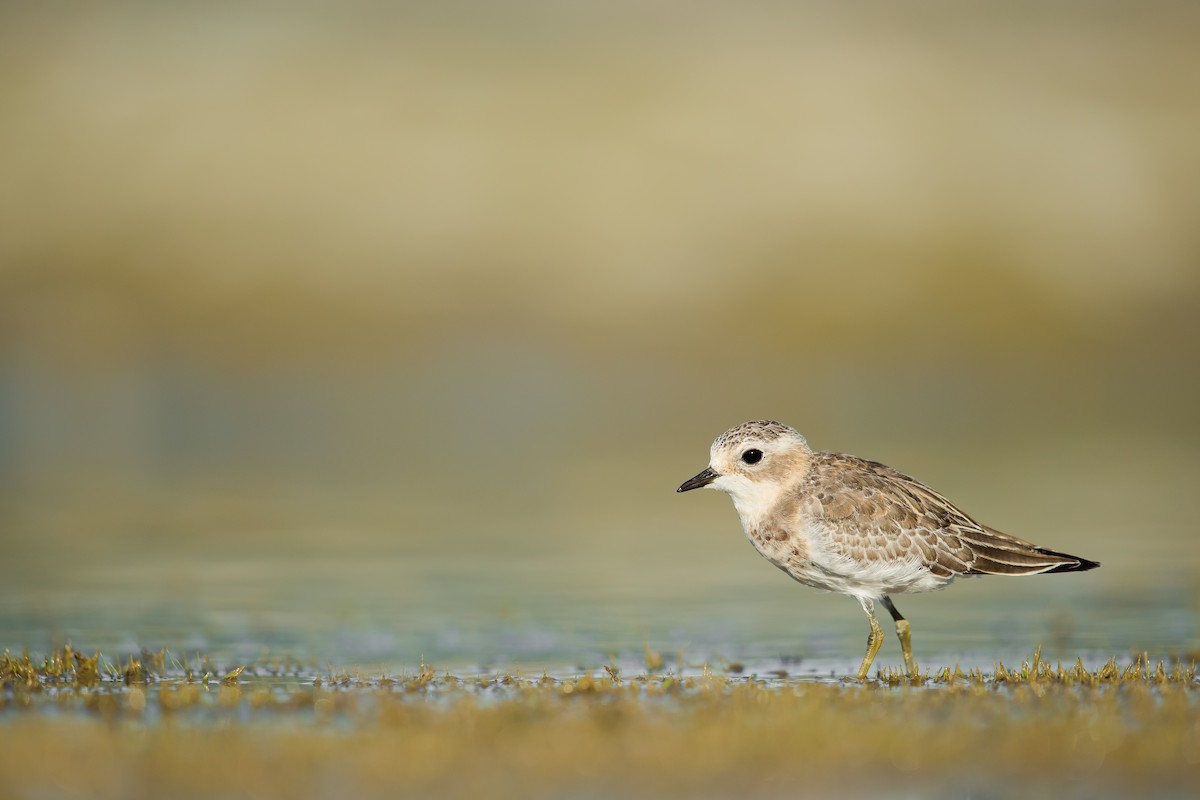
{"x": 874, "y": 641}
{"x": 902, "y": 631}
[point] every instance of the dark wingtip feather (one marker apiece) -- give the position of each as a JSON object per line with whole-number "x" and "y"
{"x": 1080, "y": 565}
{"x": 1030, "y": 560}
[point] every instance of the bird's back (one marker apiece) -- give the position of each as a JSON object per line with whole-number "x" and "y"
{"x": 874, "y": 514}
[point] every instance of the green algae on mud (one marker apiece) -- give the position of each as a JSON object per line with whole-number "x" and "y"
{"x": 76, "y": 726}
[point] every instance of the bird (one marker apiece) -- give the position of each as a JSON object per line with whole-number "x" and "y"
{"x": 844, "y": 524}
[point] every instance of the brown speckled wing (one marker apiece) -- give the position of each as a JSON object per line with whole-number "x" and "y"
{"x": 879, "y": 514}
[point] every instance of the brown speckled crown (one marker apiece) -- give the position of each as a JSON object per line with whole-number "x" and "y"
{"x": 758, "y": 430}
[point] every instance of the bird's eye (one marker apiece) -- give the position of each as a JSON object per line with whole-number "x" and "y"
{"x": 752, "y": 456}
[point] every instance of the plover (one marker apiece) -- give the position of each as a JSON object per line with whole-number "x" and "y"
{"x": 858, "y": 527}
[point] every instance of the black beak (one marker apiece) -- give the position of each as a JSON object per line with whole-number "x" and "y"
{"x": 703, "y": 479}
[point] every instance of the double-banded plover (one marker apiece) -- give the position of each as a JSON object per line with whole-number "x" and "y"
{"x": 857, "y": 527}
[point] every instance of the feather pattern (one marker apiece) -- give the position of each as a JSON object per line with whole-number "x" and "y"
{"x": 874, "y": 512}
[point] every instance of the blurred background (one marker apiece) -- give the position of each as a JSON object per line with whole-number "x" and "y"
{"x": 373, "y": 330}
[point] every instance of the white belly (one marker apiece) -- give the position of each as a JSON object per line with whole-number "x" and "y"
{"x": 806, "y": 558}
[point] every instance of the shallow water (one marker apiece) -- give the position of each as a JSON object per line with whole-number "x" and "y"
{"x": 517, "y": 611}
{"x": 498, "y": 579}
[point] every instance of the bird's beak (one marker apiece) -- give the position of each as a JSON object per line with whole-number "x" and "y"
{"x": 703, "y": 479}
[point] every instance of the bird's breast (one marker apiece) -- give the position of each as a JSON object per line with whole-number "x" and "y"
{"x": 782, "y": 547}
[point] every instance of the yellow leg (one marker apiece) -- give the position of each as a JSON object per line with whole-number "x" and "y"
{"x": 874, "y": 640}
{"x": 905, "y": 636}
{"x": 902, "y": 630}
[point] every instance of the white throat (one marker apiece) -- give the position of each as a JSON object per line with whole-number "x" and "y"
{"x": 754, "y": 500}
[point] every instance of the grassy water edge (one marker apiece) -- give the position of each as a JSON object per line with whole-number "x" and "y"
{"x": 74, "y": 726}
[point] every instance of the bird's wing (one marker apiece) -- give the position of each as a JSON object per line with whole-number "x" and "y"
{"x": 881, "y": 514}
